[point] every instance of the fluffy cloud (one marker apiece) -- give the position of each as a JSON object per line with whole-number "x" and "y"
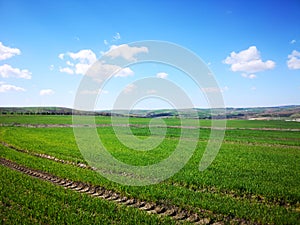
{"x": 8, "y": 87}
{"x": 293, "y": 41}
{"x": 7, "y": 52}
{"x": 46, "y": 92}
{"x": 101, "y": 71}
{"x": 250, "y": 76}
{"x": 293, "y": 62}
{"x": 66, "y": 70}
{"x": 7, "y": 71}
{"x": 125, "y": 51}
{"x": 84, "y": 56}
{"x": 69, "y": 63}
{"x": 81, "y": 68}
{"x": 125, "y": 72}
{"x": 61, "y": 56}
{"x": 248, "y": 61}
{"x": 162, "y": 75}
{"x": 83, "y": 59}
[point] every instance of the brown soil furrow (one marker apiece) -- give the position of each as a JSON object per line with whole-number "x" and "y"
{"x": 175, "y": 212}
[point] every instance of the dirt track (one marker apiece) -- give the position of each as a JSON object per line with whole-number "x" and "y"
{"x": 253, "y": 198}
{"x": 174, "y": 212}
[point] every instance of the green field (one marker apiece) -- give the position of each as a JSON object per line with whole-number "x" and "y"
{"x": 254, "y": 178}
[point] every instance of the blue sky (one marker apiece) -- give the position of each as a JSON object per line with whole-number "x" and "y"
{"x": 252, "y": 48}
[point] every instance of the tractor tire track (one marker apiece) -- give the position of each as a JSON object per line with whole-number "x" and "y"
{"x": 45, "y": 156}
{"x": 176, "y": 213}
{"x": 260, "y": 199}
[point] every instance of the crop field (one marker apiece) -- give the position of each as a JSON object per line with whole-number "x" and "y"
{"x": 254, "y": 179}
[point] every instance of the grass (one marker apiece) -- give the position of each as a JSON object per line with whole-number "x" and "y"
{"x": 254, "y": 176}
{"x": 64, "y": 119}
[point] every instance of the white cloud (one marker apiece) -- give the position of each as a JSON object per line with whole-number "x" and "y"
{"x": 66, "y": 70}
{"x": 81, "y": 68}
{"x": 7, "y": 71}
{"x": 293, "y": 62}
{"x": 129, "y": 88}
{"x": 51, "y": 67}
{"x": 83, "y": 59}
{"x": 46, "y": 92}
{"x": 250, "y": 76}
{"x": 61, "y": 56}
{"x": 84, "y": 56}
{"x": 162, "y": 75}
{"x": 248, "y": 61}
{"x": 125, "y": 72}
{"x": 7, "y": 52}
{"x": 125, "y": 51}
{"x": 293, "y": 41}
{"x": 105, "y": 42}
{"x": 101, "y": 71}
{"x": 117, "y": 36}
{"x": 69, "y": 63}
{"x": 8, "y": 87}
{"x": 253, "y": 88}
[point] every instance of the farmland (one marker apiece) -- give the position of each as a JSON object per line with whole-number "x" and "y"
{"x": 253, "y": 180}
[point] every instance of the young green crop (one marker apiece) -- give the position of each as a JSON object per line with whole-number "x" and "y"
{"x": 67, "y": 119}
{"x": 167, "y": 193}
{"x": 28, "y": 200}
{"x": 254, "y": 176}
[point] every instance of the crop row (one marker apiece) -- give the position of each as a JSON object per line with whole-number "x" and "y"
{"x": 253, "y": 178}
{"x": 231, "y": 193}
{"x": 100, "y": 192}
{"x": 51, "y": 119}
{"x": 165, "y": 193}
{"x": 257, "y": 169}
{"x": 27, "y": 200}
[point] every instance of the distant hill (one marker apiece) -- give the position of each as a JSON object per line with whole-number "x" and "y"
{"x": 291, "y": 112}
{"x": 36, "y": 110}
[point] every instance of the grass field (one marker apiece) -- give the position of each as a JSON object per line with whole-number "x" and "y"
{"x": 254, "y": 178}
